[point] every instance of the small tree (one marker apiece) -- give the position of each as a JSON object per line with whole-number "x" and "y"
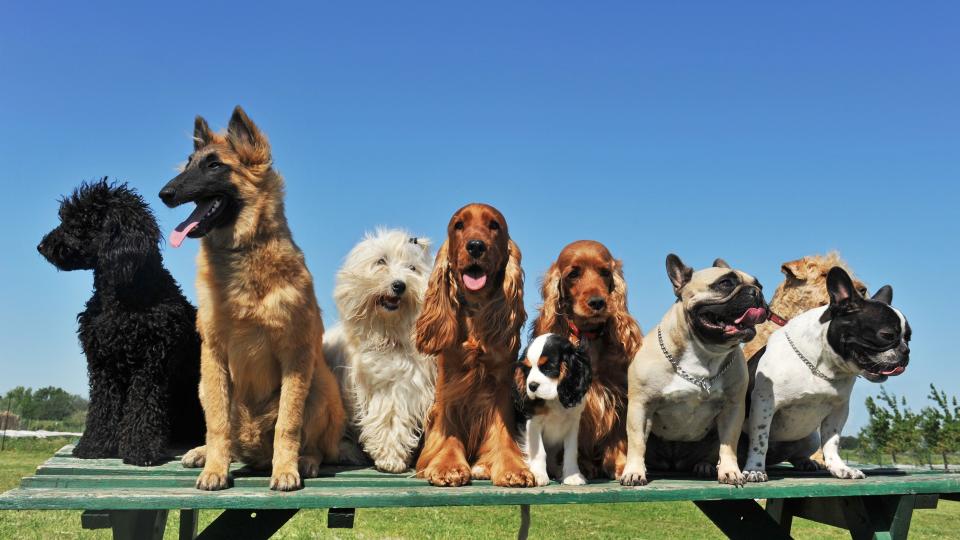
{"x": 940, "y": 425}
{"x": 877, "y": 433}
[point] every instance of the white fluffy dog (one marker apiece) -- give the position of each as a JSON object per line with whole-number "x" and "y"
{"x": 387, "y": 385}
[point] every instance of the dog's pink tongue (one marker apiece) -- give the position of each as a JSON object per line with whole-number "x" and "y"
{"x": 895, "y": 371}
{"x": 752, "y": 317}
{"x": 474, "y": 284}
{"x": 180, "y": 233}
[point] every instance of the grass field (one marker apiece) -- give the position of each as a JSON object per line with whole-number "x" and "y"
{"x": 647, "y": 520}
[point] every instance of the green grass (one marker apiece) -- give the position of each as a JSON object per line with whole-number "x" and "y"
{"x": 645, "y": 520}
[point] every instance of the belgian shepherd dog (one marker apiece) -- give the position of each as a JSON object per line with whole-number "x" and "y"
{"x": 268, "y": 397}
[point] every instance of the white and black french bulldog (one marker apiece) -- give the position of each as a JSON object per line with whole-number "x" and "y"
{"x": 802, "y": 382}
{"x": 688, "y": 382}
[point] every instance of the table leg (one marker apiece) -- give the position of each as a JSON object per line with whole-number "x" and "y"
{"x": 742, "y": 519}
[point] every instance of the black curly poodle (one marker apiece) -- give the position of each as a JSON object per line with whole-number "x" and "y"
{"x": 138, "y": 331}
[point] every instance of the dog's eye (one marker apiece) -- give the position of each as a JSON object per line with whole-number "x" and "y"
{"x": 214, "y": 165}
{"x": 605, "y": 272}
{"x": 381, "y": 262}
{"x": 458, "y": 225}
{"x": 573, "y": 274}
{"x": 412, "y": 268}
{"x": 494, "y": 226}
{"x": 862, "y": 291}
{"x": 725, "y": 283}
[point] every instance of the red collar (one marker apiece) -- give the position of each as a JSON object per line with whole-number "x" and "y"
{"x": 584, "y": 334}
{"x": 775, "y": 319}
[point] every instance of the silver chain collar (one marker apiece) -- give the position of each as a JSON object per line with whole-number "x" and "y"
{"x": 813, "y": 368}
{"x": 703, "y": 383}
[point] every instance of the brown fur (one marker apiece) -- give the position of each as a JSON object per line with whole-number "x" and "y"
{"x": 603, "y": 436}
{"x": 804, "y": 288}
{"x": 268, "y": 396}
{"x": 476, "y": 338}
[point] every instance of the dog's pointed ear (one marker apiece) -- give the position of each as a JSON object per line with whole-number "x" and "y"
{"x": 884, "y": 294}
{"x": 576, "y": 376}
{"x": 720, "y": 263}
{"x": 437, "y": 327}
{"x": 679, "y": 273}
{"x": 550, "y": 290}
{"x": 202, "y": 135}
{"x": 128, "y": 237}
{"x": 795, "y": 270}
{"x": 247, "y": 140}
{"x": 841, "y": 288}
{"x": 626, "y": 330}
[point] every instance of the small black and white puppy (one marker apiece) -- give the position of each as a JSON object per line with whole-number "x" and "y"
{"x": 138, "y": 331}
{"x": 552, "y": 377}
{"x": 802, "y": 382}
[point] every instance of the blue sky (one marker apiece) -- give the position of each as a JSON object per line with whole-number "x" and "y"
{"x": 754, "y": 132}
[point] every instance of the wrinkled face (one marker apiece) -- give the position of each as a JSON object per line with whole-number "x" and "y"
{"x": 74, "y": 244}
{"x": 867, "y": 332}
{"x": 385, "y": 274}
{"x": 544, "y": 364}
{"x": 586, "y": 282}
{"x": 478, "y": 248}
{"x": 207, "y": 180}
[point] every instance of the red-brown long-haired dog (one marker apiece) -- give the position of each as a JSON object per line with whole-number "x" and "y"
{"x": 471, "y": 319}
{"x": 585, "y": 298}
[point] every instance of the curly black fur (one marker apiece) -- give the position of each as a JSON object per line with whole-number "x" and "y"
{"x": 138, "y": 331}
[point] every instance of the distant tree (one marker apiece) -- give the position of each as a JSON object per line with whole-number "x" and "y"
{"x": 877, "y": 433}
{"x": 849, "y": 442}
{"x": 20, "y": 400}
{"x": 940, "y": 425}
{"x": 48, "y": 403}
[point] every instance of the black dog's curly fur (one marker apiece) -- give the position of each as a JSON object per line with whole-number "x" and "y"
{"x": 138, "y": 331}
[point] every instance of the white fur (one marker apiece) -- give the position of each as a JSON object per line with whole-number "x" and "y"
{"x": 790, "y": 404}
{"x": 387, "y": 385}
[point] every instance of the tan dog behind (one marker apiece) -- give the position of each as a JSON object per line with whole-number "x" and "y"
{"x": 585, "y": 298}
{"x": 804, "y": 287}
{"x": 268, "y": 396}
{"x": 688, "y": 383}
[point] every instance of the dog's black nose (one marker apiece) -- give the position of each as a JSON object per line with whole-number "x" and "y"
{"x": 167, "y": 194}
{"x": 476, "y": 248}
{"x": 398, "y": 287}
{"x": 40, "y": 247}
{"x": 533, "y": 386}
{"x": 596, "y": 303}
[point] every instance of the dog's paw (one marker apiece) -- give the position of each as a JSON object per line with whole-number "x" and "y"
{"x": 730, "y": 475}
{"x": 705, "y": 469}
{"x": 847, "y": 473}
{"x": 755, "y": 476}
{"x": 806, "y": 465}
{"x": 308, "y": 466}
{"x": 480, "y": 472}
{"x": 212, "y": 480}
{"x": 391, "y": 465}
{"x": 519, "y": 476}
{"x": 195, "y": 459}
{"x": 574, "y": 480}
{"x": 542, "y": 478}
{"x": 630, "y": 478}
{"x": 285, "y": 479}
{"x": 457, "y": 475}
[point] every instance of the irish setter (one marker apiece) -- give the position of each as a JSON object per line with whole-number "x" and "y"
{"x": 585, "y": 299}
{"x": 471, "y": 320}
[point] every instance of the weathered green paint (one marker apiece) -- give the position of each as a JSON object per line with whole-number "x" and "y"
{"x": 64, "y": 482}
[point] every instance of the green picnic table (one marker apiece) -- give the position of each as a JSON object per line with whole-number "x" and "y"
{"x": 134, "y": 501}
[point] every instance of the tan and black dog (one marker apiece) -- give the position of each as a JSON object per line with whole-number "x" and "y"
{"x": 268, "y": 396}
{"x": 688, "y": 383}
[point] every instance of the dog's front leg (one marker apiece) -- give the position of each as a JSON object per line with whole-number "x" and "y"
{"x": 761, "y": 416}
{"x": 830, "y": 430}
{"x": 571, "y": 471}
{"x": 537, "y": 452}
{"x": 145, "y": 426}
{"x": 215, "y": 398}
{"x": 296, "y": 372}
{"x": 99, "y": 439}
{"x": 639, "y": 425}
{"x": 499, "y": 447}
{"x": 729, "y": 427}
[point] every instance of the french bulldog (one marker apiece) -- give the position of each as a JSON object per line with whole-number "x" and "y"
{"x": 802, "y": 382}
{"x": 688, "y": 382}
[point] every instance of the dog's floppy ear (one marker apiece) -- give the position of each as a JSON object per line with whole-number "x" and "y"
{"x": 550, "y": 290}
{"x": 720, "y": 263}
{"x": 129, "y": 237}
{"x": 627, "y": 331}
{"x": 521, "y": 401}
{"x": 841, "y": 288}
{"x": 577, "y": 376}
{"x": 679, "y": 273}
{"x": 437, "y": 327}
{"x": 513, "y": 296}
{"x": 202, "y": 135}
{"x": 884, "y": 294}
{"x": 247, "y": 140}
